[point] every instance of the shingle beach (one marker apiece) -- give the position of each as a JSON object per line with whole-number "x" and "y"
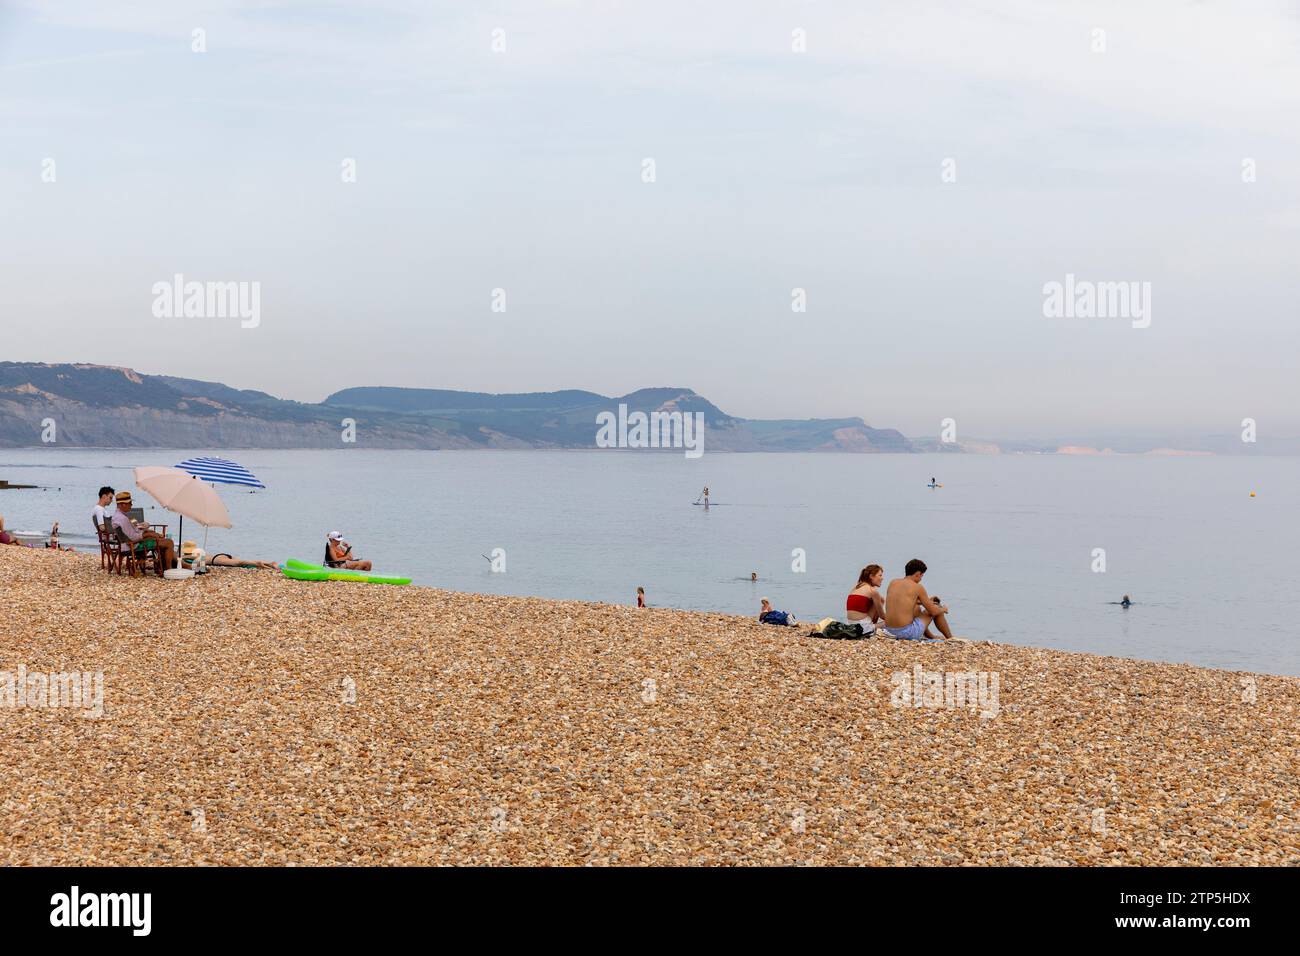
{"x": 249, "y": 719}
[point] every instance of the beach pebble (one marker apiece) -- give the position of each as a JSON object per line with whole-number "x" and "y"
{"x": 249, "y": 719}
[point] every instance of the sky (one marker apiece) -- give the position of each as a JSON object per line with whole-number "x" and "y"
{"x": 920, "y": 170}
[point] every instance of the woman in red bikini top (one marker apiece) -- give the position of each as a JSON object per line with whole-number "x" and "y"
{"x": 864, "y": 604}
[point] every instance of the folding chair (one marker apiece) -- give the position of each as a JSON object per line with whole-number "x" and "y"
{"x": 107, "y": 551}
{"x": 134, "y": 560}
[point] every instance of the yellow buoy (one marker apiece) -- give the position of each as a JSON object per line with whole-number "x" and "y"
{"x": 1252, "y": 494}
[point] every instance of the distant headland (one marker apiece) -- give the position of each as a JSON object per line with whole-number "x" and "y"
{"x": 87, "y": 405}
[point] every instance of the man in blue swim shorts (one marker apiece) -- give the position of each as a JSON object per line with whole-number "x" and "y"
{"x": 909, "y": 609}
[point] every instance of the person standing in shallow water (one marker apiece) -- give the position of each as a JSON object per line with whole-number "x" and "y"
{"x": 640, "y": 597}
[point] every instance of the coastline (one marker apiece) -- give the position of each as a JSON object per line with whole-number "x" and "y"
{"x": 249, "y": 719}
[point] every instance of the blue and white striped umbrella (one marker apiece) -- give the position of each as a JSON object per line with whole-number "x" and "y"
{"x": 221, "y": 471}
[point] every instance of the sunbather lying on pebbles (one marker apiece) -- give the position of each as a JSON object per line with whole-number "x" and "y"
{"x": 190, "y": 554}
{"x": 229, "y": 561}
{"x": 768, "y": 615}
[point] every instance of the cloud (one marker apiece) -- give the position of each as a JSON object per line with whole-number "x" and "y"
{"x": 777, "y": 169}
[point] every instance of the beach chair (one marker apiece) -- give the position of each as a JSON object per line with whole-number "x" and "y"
{"x": 137, "y": 515}
{"x": 107, "y": 547}
{"x": 126, "y": 554}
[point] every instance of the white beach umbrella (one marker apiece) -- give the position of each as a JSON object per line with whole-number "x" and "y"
{"x": 186, "y": 495}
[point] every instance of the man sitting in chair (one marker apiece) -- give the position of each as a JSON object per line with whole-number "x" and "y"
{"x": 142, "y": 540}
{"x": 102, "y": 513}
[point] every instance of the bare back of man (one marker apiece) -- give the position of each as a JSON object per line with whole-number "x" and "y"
{"x": 909, "y": 610}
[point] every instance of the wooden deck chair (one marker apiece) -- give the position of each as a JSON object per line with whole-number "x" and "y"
{"x": 107, "y": 545}
{"x": 142, "y": 560}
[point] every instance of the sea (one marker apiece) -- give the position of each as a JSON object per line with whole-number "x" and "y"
{"x": 1026, "y": 549}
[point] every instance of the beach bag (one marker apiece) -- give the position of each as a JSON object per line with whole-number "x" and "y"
{"x": 834, "y": 630}
{"x": 775, "y": 617}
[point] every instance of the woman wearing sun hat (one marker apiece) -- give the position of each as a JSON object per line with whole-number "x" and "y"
{"x": 193, "y": 557}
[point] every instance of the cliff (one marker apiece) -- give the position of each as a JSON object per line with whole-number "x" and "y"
{"x": 106, "y": 406}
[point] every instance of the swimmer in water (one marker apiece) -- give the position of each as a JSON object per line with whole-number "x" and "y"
{"x": 753, "y": 576}
{"x": 1126, "y": 602}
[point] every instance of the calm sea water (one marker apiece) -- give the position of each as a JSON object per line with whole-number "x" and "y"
{"x": 1009, "y": 540}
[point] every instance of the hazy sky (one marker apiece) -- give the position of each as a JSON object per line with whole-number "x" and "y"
{"x": 775, "y": 169}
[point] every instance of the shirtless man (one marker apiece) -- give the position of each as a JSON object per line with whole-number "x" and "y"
{"x": 909, "y": 609}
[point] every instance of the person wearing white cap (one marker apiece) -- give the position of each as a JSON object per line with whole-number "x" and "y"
{"x": 338, "y": 554}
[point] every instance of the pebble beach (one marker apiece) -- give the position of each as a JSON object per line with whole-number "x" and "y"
{"x": 248, "y": 719}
